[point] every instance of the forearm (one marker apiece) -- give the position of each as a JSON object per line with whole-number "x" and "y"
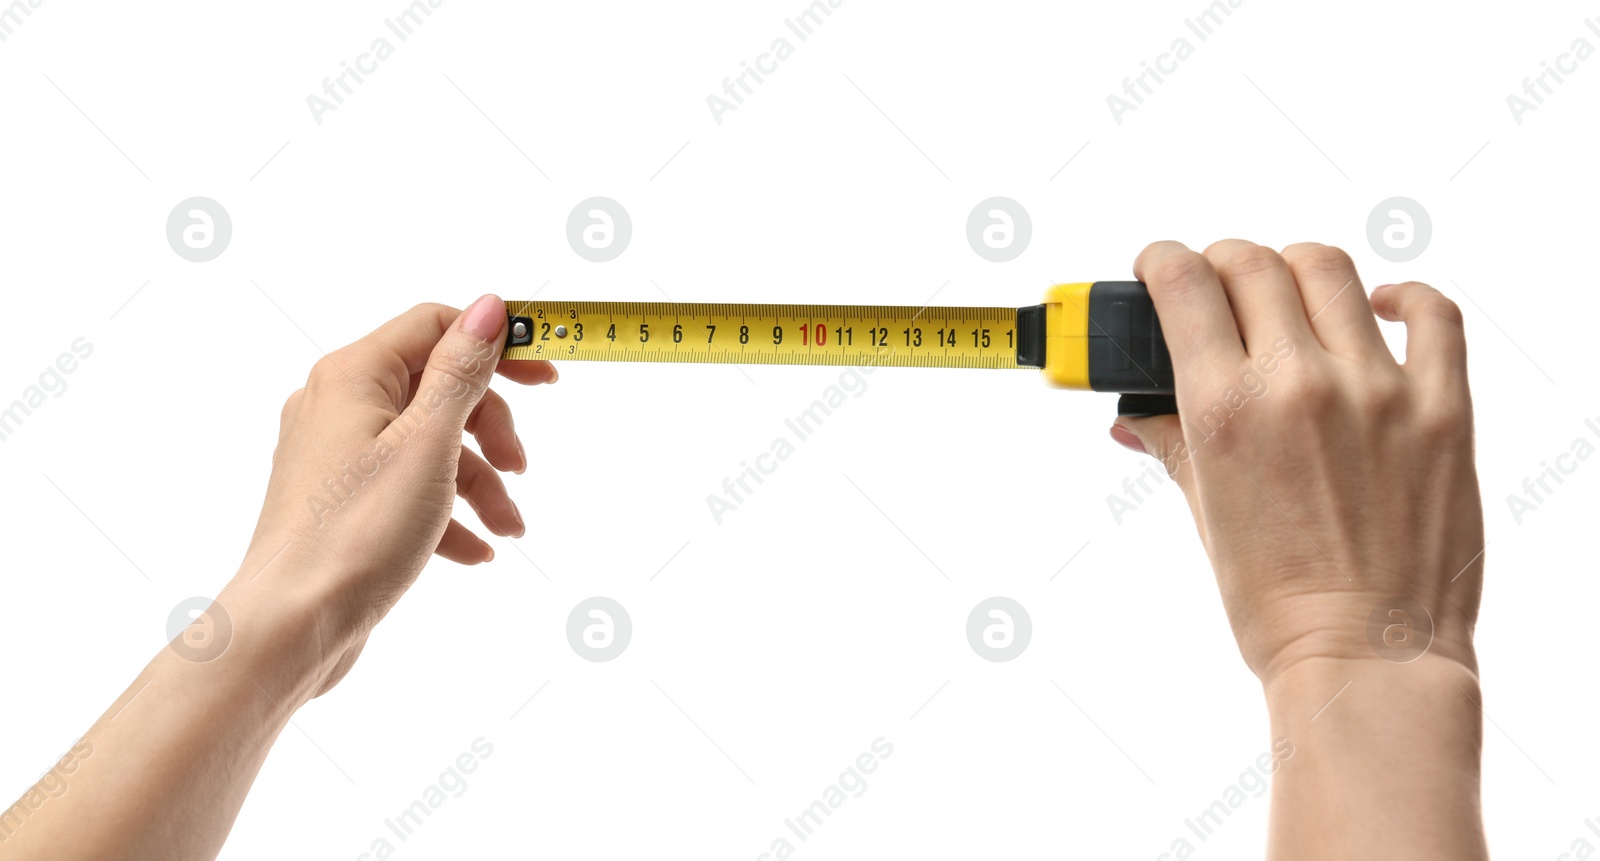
{"x": 164, "y": 771}
{"x": 1388, "y": 766}
{"x": 374, "y": 443}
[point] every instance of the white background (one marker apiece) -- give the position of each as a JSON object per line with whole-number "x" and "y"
{"x": 807, "y": 625}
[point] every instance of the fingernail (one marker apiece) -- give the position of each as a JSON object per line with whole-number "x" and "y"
{"x": 1128, "y": 439}
{"x": 485, "y": 318}
{"x": 522, "y": 455}
{"x": 488, "y": 554}
{"x": 554, "y": 374}
{"x": 522, "y": 527}
{"x": 1380, "y": 287}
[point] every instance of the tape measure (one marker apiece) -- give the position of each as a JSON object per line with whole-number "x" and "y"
{"x": 1102, "y": 336}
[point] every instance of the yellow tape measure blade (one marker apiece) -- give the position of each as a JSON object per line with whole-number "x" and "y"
{"x": 883, "y": 335}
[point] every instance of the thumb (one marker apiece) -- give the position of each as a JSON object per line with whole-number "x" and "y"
{"x": 458, "y": 371}
{"x": 1160, "y": 437}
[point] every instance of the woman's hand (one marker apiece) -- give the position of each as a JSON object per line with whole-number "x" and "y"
{"x": 1327, "y": 480}
{"x": 368, "y": 465}
{"x": 1335, "y": 492}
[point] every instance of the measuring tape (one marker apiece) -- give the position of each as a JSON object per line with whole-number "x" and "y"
{"x": 1102, "y": 336}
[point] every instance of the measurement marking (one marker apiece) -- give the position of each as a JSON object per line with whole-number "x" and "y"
{"x": 942, "y": 327}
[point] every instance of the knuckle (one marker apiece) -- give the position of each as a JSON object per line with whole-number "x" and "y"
{"x": 1319, "y": 258}
{"x": 431, "y": 309}
{"x": 1314, "y": 395}
{"x": 1223, "y": 247}
{"x": 1439, "y": 422}
{"x": 325, "y": 370}
{"x": 1249, "y": 260}
{"x": 455, "y": 372}
{"x": 1439, "y": 306}
{"x": 1180, "y": 272}
{"x": 492, "y": 418}
{"x": 1158, "y": 250}
{"x": 1382, "y": 395}
{"x": 291, "y": 405}
{"x": 448, "y": 377}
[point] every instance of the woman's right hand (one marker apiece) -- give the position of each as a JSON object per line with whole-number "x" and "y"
{"x": 1331, "y": 485}
{"x": 1335, "y": 492}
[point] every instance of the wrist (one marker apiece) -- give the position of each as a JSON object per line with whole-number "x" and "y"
{"x": 1358, "y": 630}
{"x": 1432, "y": 680}
{"x": 281, "y": 639}
{"x": 1383, "y": 752}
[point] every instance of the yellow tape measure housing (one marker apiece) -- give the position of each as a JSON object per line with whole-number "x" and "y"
{"x": 880, "y": 335}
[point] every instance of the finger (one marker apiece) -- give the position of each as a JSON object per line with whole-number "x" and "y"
{"x": 1436, "y": 344}
{"x": 459, "y": 545}
{"x": 1335, "y": 302}
{"x": 522, "y": 371}
{"x": 1266, "y": 304}
{"x": 410, "y": 337}
{"x": 393, "y": 353}
{"x": 454, "y": 377}
{"x": 481, "y": 487}
{"x": 397, "y": 352}
{"x": 491, "y": 424}
{"x": 1195, "y": 317}
{"x": 529, "y": 372}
